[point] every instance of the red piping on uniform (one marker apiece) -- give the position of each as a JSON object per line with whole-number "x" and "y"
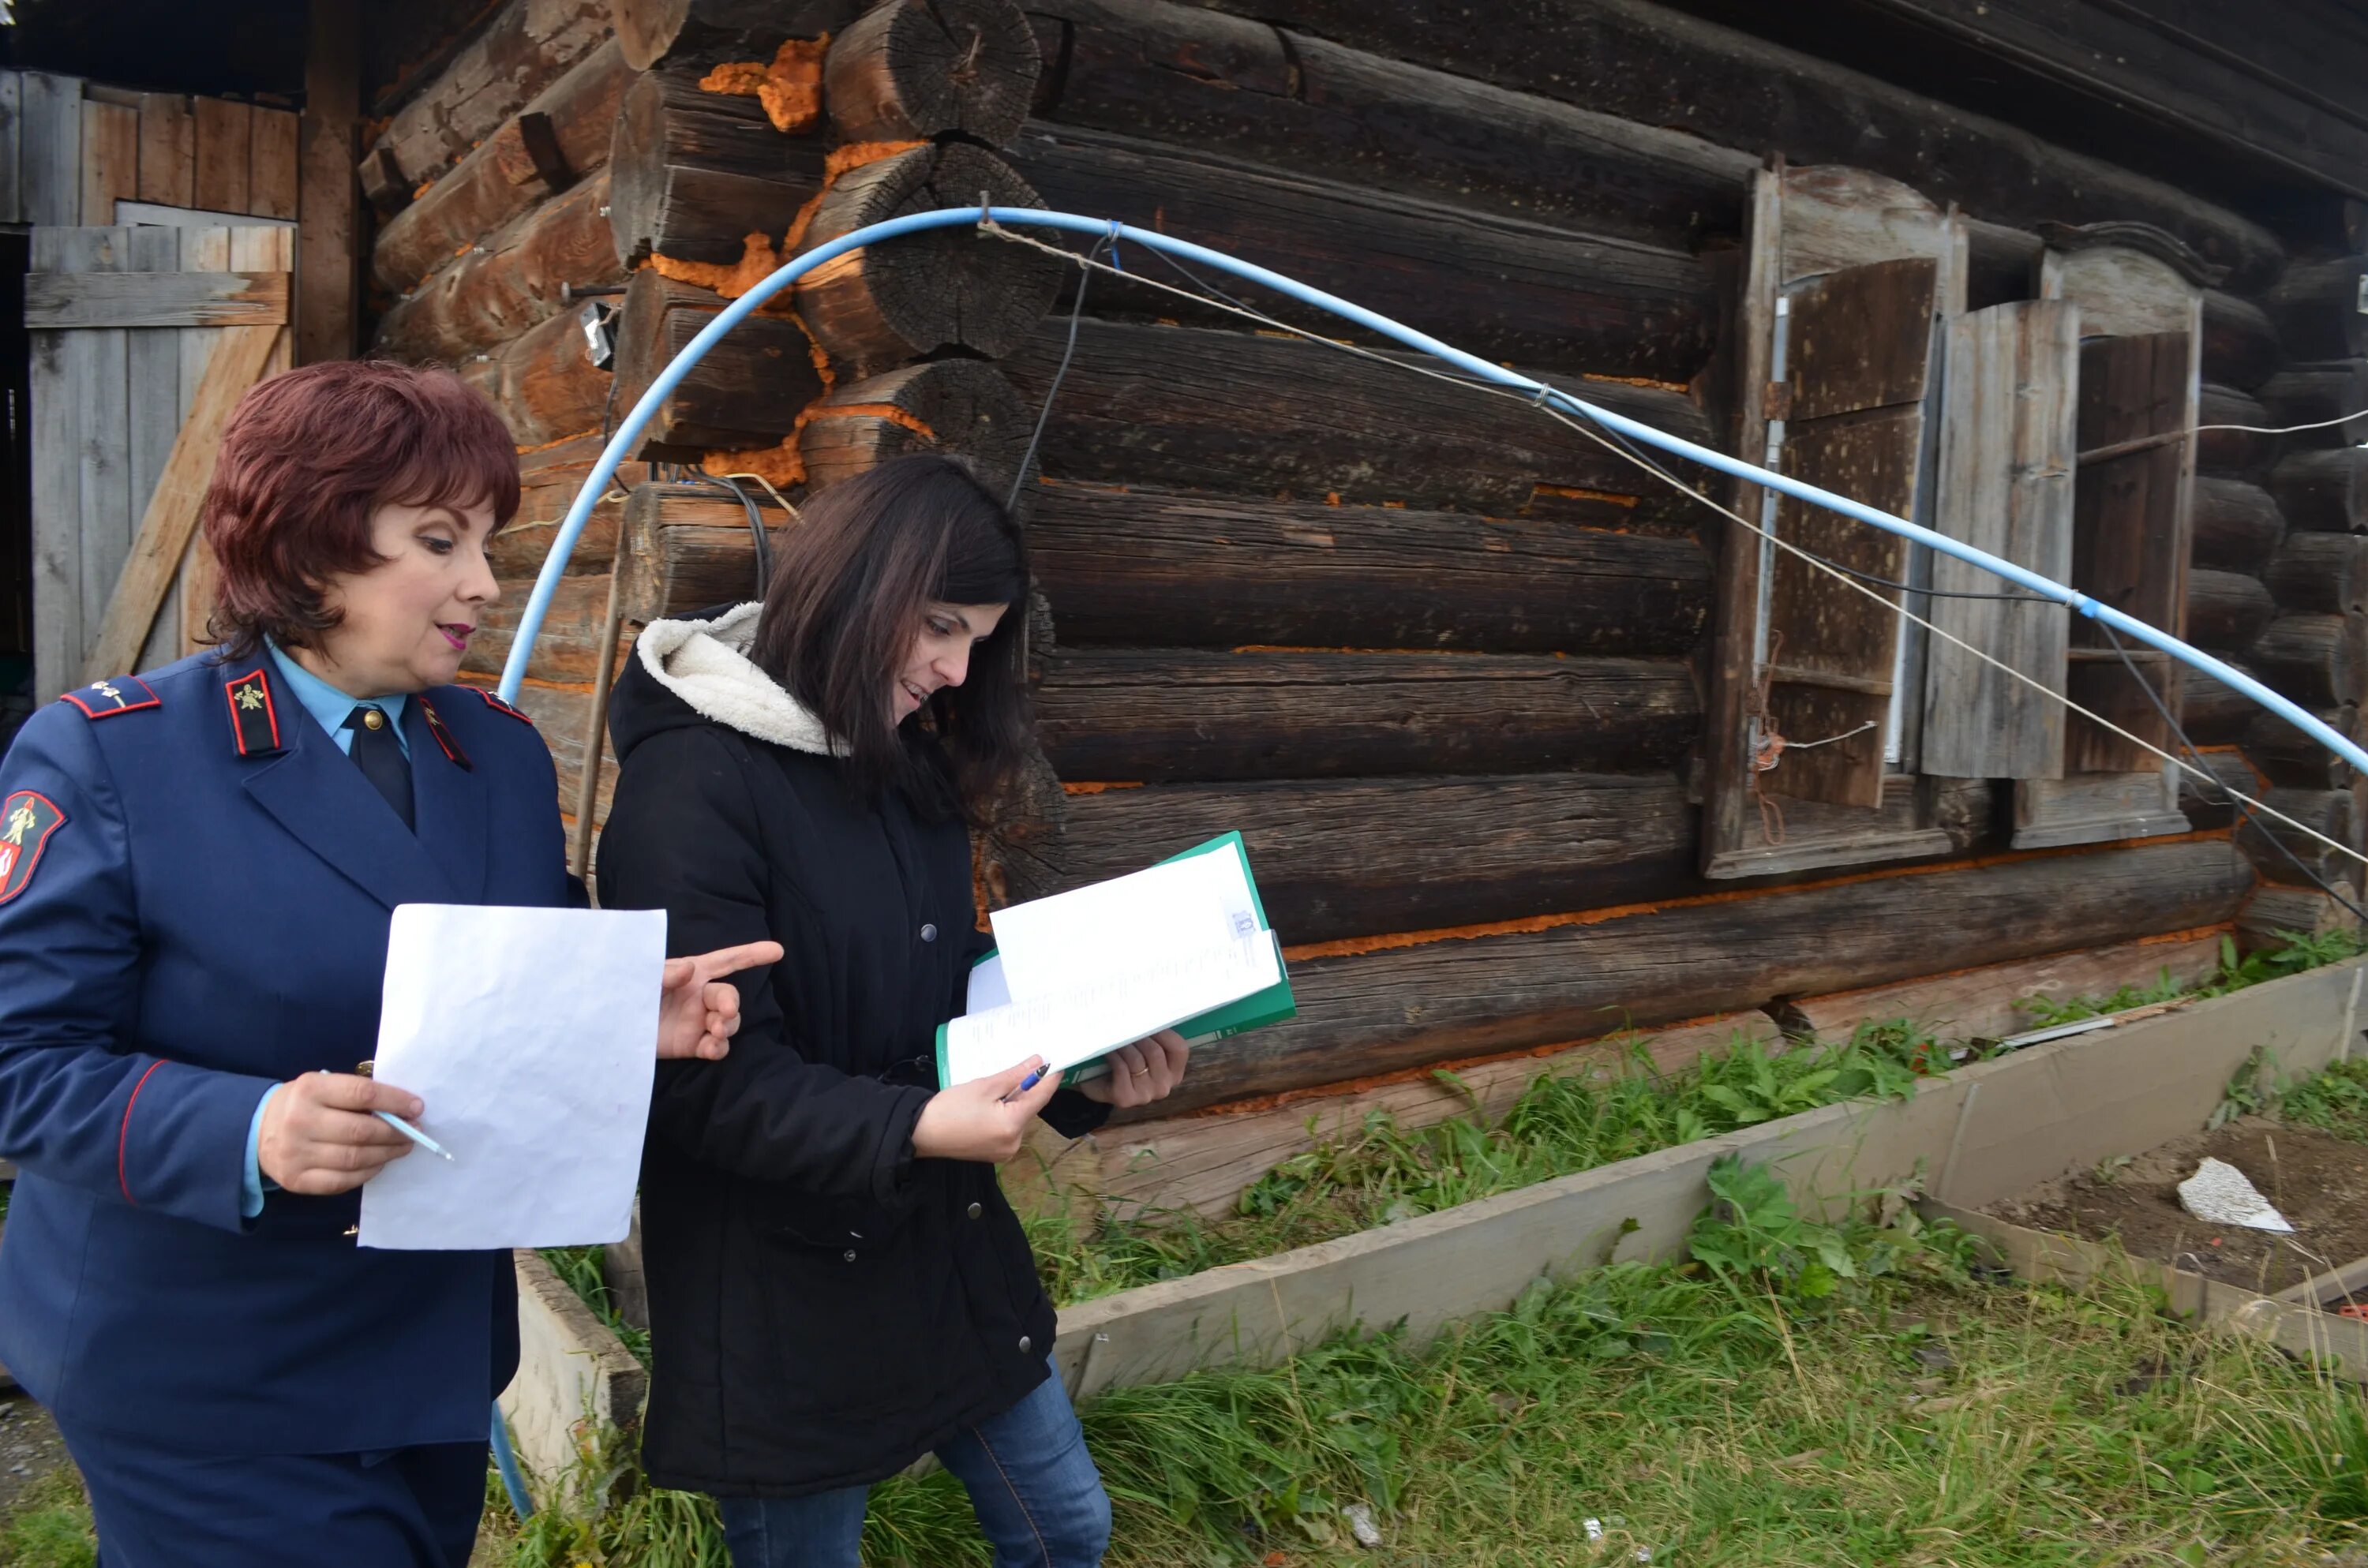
{"x": 124, "y": 1136}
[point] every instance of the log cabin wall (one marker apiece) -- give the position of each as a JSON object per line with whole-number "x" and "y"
{"x": 1444, "y": 663}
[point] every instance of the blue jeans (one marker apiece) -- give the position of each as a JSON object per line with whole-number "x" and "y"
{"x": 1033, "y": 1484}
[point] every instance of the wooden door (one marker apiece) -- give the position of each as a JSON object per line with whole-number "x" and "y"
{"x": 118, "y": 365}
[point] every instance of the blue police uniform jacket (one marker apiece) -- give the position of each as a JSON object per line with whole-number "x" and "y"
{"x": 195, "y": 889}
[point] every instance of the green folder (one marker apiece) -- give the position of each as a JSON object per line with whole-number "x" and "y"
{"x": 1256, "y": 1010}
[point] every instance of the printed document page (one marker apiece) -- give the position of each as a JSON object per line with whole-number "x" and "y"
{"x": 531, "y": 1034}
{"x": 1055, "y": 944}
{"x": 1077, "y": 1025}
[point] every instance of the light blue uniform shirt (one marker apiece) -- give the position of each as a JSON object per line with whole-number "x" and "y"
{"x": 330, "y": 708}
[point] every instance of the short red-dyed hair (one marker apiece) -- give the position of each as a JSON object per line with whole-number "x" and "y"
{"x": 309, "y": 456}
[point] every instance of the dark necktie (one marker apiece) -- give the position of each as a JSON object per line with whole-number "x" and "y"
{"x": 379, "y": 755}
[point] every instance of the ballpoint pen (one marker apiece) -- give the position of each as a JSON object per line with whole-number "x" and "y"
{"x": 412, "y": 1133}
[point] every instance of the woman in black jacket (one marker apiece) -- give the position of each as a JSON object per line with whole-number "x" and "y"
{"x": 837, "y": 1284}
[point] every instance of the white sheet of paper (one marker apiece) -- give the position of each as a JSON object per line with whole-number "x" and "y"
{"x": 531, "y": 1036}
{"x": 1055, "y": 944}
{"x": 1078, "y": 1025}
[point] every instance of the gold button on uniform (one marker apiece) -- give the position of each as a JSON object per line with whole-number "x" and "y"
{"x": 373, "y": 718}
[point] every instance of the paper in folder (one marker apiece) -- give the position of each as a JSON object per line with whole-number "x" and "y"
{"x": 1182, "y": 945}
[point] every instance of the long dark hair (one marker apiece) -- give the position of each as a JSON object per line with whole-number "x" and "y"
{"x": 851, "y": 585}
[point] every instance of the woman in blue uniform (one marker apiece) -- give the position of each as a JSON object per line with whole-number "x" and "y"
{"x": 196, "y": 870}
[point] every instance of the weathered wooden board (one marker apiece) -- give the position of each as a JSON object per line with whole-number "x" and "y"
{"x": 2004, "y": 486}
{"x": 58, "y": 300}
{"x": 328, "y": 305}
{"x": 1190, "y": 714}
{"x": 168, "y": 151}
{"x": 1242, "y": 414}
{"x": 111, "y": 159}
{"x": 1506, "y": 287}
{"x": 223, "y": 139}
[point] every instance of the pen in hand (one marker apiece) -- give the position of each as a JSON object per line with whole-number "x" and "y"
{"x": 412, "y": 1133}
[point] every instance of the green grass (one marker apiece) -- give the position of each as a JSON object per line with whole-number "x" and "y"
{"x": 2335, "y": 1102}
{"x": 49, "y": 1526}
{"x": 2235, "y": 973}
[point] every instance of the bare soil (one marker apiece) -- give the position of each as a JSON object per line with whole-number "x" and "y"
{"x": 30, "y": 1448}
{"x": 2318, "y": 1183}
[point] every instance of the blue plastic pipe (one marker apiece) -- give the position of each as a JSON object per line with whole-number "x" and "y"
{"x": 629, "y": 434}
{"x": 505, "y": 1461}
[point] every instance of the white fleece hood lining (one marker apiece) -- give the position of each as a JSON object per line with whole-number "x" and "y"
{"x": 706, "y": 663}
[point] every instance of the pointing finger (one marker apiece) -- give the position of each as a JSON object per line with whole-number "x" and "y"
{"x": 731, "y": 960}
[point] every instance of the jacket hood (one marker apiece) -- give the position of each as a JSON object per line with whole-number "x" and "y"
{"x": 697, "y": 670}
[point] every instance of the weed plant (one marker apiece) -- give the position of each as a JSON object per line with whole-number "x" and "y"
{"x": 2336, "y": 1102}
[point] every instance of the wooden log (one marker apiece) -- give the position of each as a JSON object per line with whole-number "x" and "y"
{"x": 2232, "y": 453}
{"x": 550, "y": 478}
{"x": 2324, "y": 491}
{"x": 544, "y": 382}
{"x": 523, "y": 49}
{"x": 567, "y": 648}
{"x": 2290, "y": 757}
{"x": 2288, "y": 856}
{"x": 693, "y": 173}
{"x": 1503, "y": 287}
{"x": 1399, "y": 1007}
{"x": 2317, "y": 308}
{"x": 1647, "y": 62}
{"x": 2212, "y": 712}
{"x": 2322, "y": 573}
{"x": 2226, "y": 609}
{"x": 947, "y": 405}
{"x": 328, "y": 232}
{"x": 1991, "y": 1003}
{"x": 702, "y": 32}
{"x": 1183, "y": 407}
{"x": 1424, "y": 852}
{"x": 2318, "y": 660}
{"x": 1186, "y": 77}
{"x": 748, "y": 391}
{"x": 687, "y": 547}
{"x": 1179, "y": 715}
{"x": 2274, "y": 917}
{"x": 2241, "y": 341}
{"x": 910, "y": 69}
{"x": 876, "y": 308}
{"x": 519, "y": 53}
{"x": 510, "y": 172}
{"x": 2236, "y": 525}
{"x": 1147, "y": 1171}
{"x": 1138, "y": 567}
{"x": 2314, "y": 395}
{"x": 2206, "y": 802}
{"x": 498, "y": 291}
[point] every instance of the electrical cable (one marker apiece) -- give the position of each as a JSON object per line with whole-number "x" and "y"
{"x": 1060, "y": 374}
{"x": 2287, "y": 429}
{"x": 756, "y": 525}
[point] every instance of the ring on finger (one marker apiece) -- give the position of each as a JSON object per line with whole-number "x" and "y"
{"x": 1142, "y": 1072}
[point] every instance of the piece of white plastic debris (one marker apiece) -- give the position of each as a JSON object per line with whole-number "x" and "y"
{"x": 1360, "y": 1524}
{"x": 1594, "y": 1528}
{"x": 2218, "y": 1194}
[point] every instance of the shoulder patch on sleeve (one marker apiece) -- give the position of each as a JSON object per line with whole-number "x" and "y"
{"x": 106, "y": 699}
{"x": 26, "y": 820}
{"x": 499, "y": 706}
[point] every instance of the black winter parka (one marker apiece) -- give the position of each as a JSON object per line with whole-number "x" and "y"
{"x": 824, "y": 1306}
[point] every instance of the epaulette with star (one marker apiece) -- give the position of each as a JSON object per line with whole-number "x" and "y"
{"x": 106, "y": 699}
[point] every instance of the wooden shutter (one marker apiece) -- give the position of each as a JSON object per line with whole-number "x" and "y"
{"x": 2141, "y": 327}
{"x": 1834, "y": 363}
{"x": 2006, "y": 486}
{"x": 1859, "y": 356}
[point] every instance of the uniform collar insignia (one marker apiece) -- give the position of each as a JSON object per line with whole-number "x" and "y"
{"x": 444, "y": 741}
{"x": 499, "y": 706}
{"x": 254, "y": 714}
{"x": 121, "y": 694}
